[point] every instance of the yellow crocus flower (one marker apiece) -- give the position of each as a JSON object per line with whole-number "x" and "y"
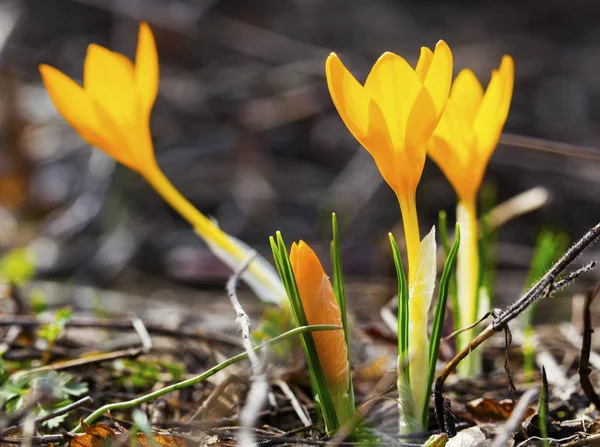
{"x": 321, "y": 307}
{"x": 461, "y": 146}
{"x": 393, "y": 116}
{"x": 470, "y": 127}
{"x": 111, "y": 111}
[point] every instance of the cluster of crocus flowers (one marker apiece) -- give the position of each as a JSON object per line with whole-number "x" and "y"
{"x": 393, "y": 115}
{"x": 321, "y": 307}
{"x": 461, "y": 146}
{"x": 111, "y": 111}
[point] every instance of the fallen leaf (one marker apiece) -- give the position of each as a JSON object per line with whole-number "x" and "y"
{"x": 489, "y": 410}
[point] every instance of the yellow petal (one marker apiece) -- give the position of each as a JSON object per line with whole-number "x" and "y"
{"x": 108, "y": 79}
{"x": 467, "y": 93}
{"x": 424, "y": 63}
{"x": 394, "y": 86}
{"x": 117, "y": 145}
{"x": 439, "y": 75}
{"x": 362, "y": 116}
{"x": 73, "y": 104}
{"x": 494, "y": 107}
{"x": 422, "y": 121}
{"x": 146, "y": 69}
{"x": 453, "y": 148}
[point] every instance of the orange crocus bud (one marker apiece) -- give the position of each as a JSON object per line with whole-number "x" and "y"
{"x": 321, "y": 307}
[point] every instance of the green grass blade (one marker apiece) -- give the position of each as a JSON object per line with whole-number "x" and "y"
{"x": 340, "y": 296}
{"x": 286, "y": 273}
{"x": 452, "y": 288}
{"x": 439, "y": 316}
{"x": 402, "y": 304}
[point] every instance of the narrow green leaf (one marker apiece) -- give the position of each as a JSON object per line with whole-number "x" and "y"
{"x": 439, "y": 316}
{"x": 286, "y": 273}
{"x": 402, "y": 304}
{"x": 340, "y": 296}
{"x": 452, "y": 288}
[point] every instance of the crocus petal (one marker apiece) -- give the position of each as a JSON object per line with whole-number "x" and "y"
{"x": 362, "y": 116}
{"x": 493, "y": 111}
{"x": 146, "y": 69}
{"x": 394, "y": 86}
{"x": 73, "y": 104}
{"x": 467, "y": 93}
{"x": 420, "y": 126}
{"x": 439, "y": 76}
{"x": 108, "y": 79}
{"x": 320, "y": 307}
{"x": 424, "y": 63}
{"x": 117, "y": 146}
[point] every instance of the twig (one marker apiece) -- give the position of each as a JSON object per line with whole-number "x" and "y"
{"x": 124, "y": 325}
{"x": 304, "y": 418}
{"x": 86, "y": 360}
{"x": 141, "y": 330}
{"x": 586, "y": 347}
{"x": 205, "y": 375}
{"x": 259, "y": 386}
{"x": 61, "y": 411}
{"x": 515, "y": 419}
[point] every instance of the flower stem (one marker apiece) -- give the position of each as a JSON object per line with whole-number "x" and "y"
{"x": 468, "y": 279}
{"x": 228, "y": 249}
{"x": 410, "y": 220}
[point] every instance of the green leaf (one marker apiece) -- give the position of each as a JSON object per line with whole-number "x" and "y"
{"x": 340, "y": 295}
{"x": 440, "y": 315}
{"x": 282, "y": 262}
{"x": 402, "y": 306}
{"x": 452, "y": 288}
{"x": 17, "y": 266}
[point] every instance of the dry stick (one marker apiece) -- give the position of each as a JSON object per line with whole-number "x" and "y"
{"x": 515, "y": 419}
{"x": 124, "y": 325}
{"x": 87, "y": 360}
{"x": 542, "y": 289}
{"x": 259, "y": 387}
{"x": 586, "y": 347}
{"x": 304, "y": 418}
{"x": 142, "y": 332}
{"x": 59, "y": 412}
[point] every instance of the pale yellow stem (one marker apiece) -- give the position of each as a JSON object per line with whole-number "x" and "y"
{"x": 410, "y": 220}
{"x": 467, "y": 277}
{"x": 228, "y": 249}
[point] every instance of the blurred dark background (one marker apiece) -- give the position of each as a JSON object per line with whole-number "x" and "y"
{"x": 245, "y": 127}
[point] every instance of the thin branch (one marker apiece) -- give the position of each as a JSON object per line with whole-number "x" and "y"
{"x": 586, "y": 347}
{"x": 259, "y": 386}
{"x": 304, "y": 418}
{"x": 141, "y": 330}
{"x": 124, "y": 325}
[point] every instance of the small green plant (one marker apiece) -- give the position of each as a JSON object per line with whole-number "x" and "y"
{"x": 53, "y": 389}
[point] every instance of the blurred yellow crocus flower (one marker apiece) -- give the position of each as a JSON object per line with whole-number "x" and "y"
{"x": 111, "y": 111}
{"x": 393, "y": 116}
{"x": 461, "y": 146}
{"x": 321, "y": 307}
